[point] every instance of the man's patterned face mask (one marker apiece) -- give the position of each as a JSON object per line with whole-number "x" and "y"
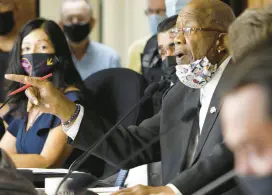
{"x": 197, "y": 74}
{"x": 39, "y": 64}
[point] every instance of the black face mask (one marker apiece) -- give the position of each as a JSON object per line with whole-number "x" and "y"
{"x": 39, "y": 64}
{"x": 6, "y": 22}
{"x": 77, "y": 32}
{"x": 169, "y": 65}
{"x": 169, "y": 68}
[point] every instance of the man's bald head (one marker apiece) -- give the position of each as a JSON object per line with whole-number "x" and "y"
{"x": 208, "y": 22}
{"x": 208, "y": 13}
{"x": 84, "y": 6}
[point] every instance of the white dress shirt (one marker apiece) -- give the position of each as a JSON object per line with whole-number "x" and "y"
{"x": 206, "y": 94}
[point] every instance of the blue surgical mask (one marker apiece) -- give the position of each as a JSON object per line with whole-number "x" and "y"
{"x": 154, "y": 21}
{"x": 173, "y": 7}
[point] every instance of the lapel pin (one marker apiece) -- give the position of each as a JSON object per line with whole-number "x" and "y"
{"x": 213, "y": 110}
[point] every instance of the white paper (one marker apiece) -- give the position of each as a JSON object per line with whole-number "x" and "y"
{"x": 104, "y": 190}
{"x": 46, "y": 171}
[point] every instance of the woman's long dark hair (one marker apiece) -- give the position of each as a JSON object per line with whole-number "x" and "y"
{"x": 64, "y": 73}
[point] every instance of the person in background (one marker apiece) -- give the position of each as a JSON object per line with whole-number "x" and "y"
{"x": 33, "y": 138}
{"x": 249, "y": 30}
{"x": 8, "y": 32}
{"x": 155, "y": 13}
{"x": 89, "y": 56}
{"x": 250, "y": 136}
{"x": 166, "y": 51}
{"x": 166, "y": 47}
{"x": 151, "y": 62}
{"x": 174, "y": 7}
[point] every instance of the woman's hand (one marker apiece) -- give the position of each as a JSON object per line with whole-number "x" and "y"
{"x": 45, "y": 97}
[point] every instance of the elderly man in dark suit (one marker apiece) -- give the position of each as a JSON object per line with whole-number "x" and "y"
{"x": 192, "y": 149}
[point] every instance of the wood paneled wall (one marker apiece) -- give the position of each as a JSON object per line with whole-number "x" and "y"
{"x": 25, "y": 10}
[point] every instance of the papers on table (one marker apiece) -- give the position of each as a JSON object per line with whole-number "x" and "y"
{"x": 100, "y": 191}
{"x": 48, "y": 171}
{"x": 104, "y": 191}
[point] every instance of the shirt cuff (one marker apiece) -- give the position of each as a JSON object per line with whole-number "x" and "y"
{"x": 74, "y": 128}
{"x": 174, "y": 188}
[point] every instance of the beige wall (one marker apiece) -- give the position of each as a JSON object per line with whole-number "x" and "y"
{"x": 123, "y": 22}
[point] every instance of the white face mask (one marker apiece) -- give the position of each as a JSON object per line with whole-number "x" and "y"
{"x": 173, "y": 7}
{"x": 196, "y": 74}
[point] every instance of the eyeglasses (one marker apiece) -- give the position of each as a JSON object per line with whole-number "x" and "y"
{"x": 187, "y": 31}
{"x": 155, "y": 11}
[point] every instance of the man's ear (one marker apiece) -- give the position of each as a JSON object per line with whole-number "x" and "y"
{"x": 222, "y": 42}
{"x": 92, "y": 22}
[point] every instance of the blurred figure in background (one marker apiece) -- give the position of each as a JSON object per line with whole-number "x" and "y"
{"x": 143, "y": 54}
{"x": 8, "y": 28}
{"x": 156, "y": 13}
{"x": 166, "y": 49}
{"x": 89, "y": 56}
{"x": 250, "y": 136}
{"x": 8, "y": 32}
{"x": 173, "y": 7}
{"x": 151, "y": 62}
{"x": 249, "y": 30}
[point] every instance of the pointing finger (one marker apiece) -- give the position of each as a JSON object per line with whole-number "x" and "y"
{"x": 34, "y": 81}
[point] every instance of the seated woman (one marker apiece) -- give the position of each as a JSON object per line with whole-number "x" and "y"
{"x": 36, "y": 139}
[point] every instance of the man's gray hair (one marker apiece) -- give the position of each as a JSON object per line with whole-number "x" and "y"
{"x": 250, "y": 29}
{"x": 87, "y": 1}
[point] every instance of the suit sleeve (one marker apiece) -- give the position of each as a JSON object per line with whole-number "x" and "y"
{"x": 205, "y": 171}
{"x": 122, "y": 142}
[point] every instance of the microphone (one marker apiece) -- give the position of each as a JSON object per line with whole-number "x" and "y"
{"x": 149, "y": 91}
{"x": 154, "y": 87}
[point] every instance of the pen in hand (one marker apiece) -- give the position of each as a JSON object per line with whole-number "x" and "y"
{"x": 22, "y": 89}
{"x": 28, "y": 85}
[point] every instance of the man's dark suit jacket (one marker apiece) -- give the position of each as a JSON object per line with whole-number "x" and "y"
{"x": 212, "y": 158}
